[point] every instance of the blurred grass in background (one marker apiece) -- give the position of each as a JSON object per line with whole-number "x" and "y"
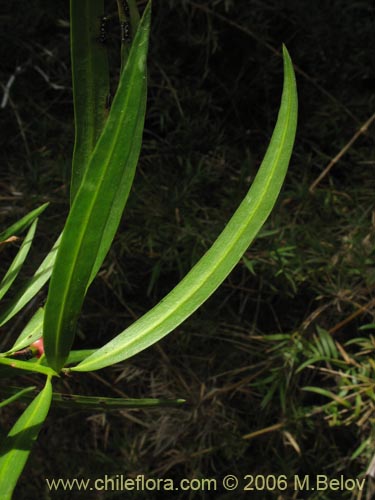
{"x": 285, "y": 347}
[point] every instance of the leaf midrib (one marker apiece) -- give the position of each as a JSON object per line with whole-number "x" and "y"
{"x": 89, "y": 212}
{"x": 212, "y": 270}
{"x": 8, "y": 456}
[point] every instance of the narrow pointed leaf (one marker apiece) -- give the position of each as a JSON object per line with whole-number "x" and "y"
{"x": 16, "y": 448}
{"x": 328, "y": 394}
{"x": 18, "y": 261}
{"x": 32, "y": 332}
{"x": 216, "y": 264}
{"x": 90, "y": 75}
{"x": 33, "y": 286}
{"x": 120, "y": 197}
{"x": 76, "y": 401}
{"x": 23, "y": 223}
{"x": 99, "y": 203}
{"x": 29, "y": 366}
{"x": 18, "y": 393}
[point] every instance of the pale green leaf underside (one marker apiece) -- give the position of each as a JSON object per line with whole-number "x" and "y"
{"x": 16, "y": 448}
{"x": 224, "y": 254}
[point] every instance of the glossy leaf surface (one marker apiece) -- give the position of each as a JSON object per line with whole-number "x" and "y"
{"x": 16, "y": 448}
{"x": 98, "y": 204}
{"x": 216, "y": 264}
{"x": 29, "y": 366}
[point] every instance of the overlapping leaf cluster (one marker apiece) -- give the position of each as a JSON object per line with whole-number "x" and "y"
{"x": 107, "y": 148}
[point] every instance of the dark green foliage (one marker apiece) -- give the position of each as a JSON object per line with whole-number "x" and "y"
{"x": 214, "y": 90}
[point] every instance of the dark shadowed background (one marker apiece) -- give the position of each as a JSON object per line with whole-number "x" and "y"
{"x": 277, "y": 367}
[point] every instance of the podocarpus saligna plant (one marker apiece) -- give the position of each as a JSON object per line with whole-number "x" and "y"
{"x": 107, "y": 147}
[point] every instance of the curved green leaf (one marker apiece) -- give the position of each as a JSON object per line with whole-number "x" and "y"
{"x": 120, "y": 197}
{"x": 224, "y": 254}
{"x": 18, "y": 393}
{"x": 32, "y": 332}
{"x": 328, "y": 394}
{"x": 29, "y": 366}
{"x": 98, "y": 204}
{"x": 18, "y": 261}
{"x": 33, "y": 286}
{"x": 19, "y": 226}
{"x": 16, "y": 448}
{"x": 90, "y": 78}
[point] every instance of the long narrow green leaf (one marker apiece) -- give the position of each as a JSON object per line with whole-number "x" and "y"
{"x": 73, "y": 358}
{"x": 29, "y": 366}
{"x": 16, "y": 447}
{"x": 90, "y": 75}
{"x": 120, "y": 197}
{"x": 18, "y": 393}
{"x": 220, "y": 259}
{"x": 33, "y": 286}
{"x": 311, "y": 361}
{"x": 76, "y": 401}
{"x": 328, "y": 394}
{"x": 32, "y": 332}
{"x": 23, "y": 223}
{"x": 119, "y": 201}
{"x": 18, "y": 261}
{"x": 99, "y": 203}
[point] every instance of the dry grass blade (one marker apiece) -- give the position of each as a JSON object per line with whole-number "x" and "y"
{"x": 344, "y": 150}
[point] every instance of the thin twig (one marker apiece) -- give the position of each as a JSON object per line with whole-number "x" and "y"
{"x": 172, "y": 90}
{"x": 371, "y": 468}
{"x": 347, "y": 146}
{"x": 265, "y": 430}
{"x": 350, "y": 318}
{"x": 6, "y": 88}
{"x": 21, "y": 130}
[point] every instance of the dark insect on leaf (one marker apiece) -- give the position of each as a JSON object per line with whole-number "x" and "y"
{"x": 103, "y": 30}
{"x": 125, "y": 6}
{"x": 125, "y": 32}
